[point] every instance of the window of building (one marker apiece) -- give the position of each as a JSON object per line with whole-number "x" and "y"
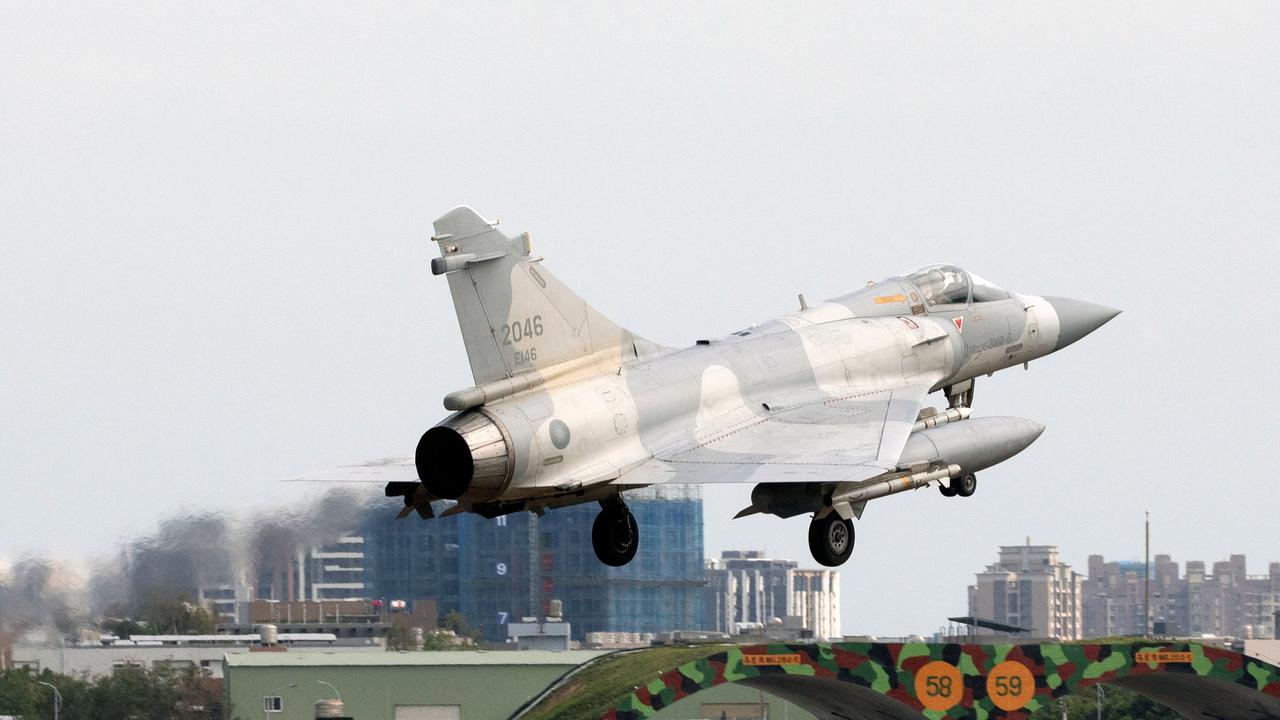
{"x": 428, "y": 712}
{"x": 273, "y": 704}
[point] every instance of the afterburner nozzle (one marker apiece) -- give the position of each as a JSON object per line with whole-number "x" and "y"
{"x": 465, "y": 457}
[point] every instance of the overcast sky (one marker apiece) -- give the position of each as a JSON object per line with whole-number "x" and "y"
{"x": 214, "y": 249}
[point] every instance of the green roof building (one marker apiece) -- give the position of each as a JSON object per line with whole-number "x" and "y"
{"x": 458, "y": 685}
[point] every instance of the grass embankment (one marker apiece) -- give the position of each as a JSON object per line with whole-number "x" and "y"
{"x": 600, "y": 684}
{"x": 1123, "y": 640}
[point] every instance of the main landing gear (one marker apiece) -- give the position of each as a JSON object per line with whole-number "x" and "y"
{"x": 831, "y": 539}
{"x": 615, "y": 536}
{"x": 964, "y": 486}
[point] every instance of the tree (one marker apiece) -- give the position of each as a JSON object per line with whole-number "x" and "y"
{"x": 22, "y": 694}
{"x": 457, "y": 622}
{"x": 400, "y": 638}
{"x": 130, "y": 693}
{"x": 1117, "y": 704}
{"x": 19, "y": 694}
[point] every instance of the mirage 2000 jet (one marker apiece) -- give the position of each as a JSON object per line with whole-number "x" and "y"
{"x": 822, "y": 409}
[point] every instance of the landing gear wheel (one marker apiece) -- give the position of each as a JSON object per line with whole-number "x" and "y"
{"x": 948, "y": 490}
{"x": 831, "y": 539}
{"x": 966, "y": 485}
{"x": 615, "y": 536}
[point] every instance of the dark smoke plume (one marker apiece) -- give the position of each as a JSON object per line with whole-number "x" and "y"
{"x": 185, "y": 554}
{"x": 30, "y": 599}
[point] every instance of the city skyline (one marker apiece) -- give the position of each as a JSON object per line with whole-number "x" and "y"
{"x": 312, "y": 547}
{"x": 216, "y": 268}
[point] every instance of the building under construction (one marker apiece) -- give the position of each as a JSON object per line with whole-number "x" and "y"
{"x": 509, "y": 568}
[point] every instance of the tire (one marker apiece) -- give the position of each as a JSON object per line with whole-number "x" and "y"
{"x": 967, "y": 485}
{"x": 615, "y": 536}
{"x": 947, "y": 490}
{"x": 831, "y": 540}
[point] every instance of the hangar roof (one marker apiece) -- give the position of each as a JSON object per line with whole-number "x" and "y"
{"x": 413, "y": 658}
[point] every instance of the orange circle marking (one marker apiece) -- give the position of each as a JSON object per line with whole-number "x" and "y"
{"x": 1010, "y": 685}
{"x": 939, "y": 686}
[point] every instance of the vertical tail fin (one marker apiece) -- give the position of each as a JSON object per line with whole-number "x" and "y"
{"x": 515, "y": 316}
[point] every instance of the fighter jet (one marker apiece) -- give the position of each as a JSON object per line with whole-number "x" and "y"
{"x": 822, "y": 409}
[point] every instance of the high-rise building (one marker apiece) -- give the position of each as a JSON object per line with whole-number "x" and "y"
{"x": 509, "y": 568}
{"x": 328, "y": 570}
{"x": 747, "y": 589}
{"x": 411, "y": 558}
{"x": 1029, "y": 587}
{"x": 335, "y": 570}
{"x": 659, "y": 590}
{"x": 225, "y": 599}
{"x": 815, "y": 599}
{"x": 1225, "y": 602}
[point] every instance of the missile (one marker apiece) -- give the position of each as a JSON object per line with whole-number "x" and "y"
{"x": 948, "y": 450}
{"x": 945, "y": 446}
{"x": 942, "y": 418}
{"x": 854, "y": 493}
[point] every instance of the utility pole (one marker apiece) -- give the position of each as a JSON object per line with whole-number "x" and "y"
{"x": 1146, "y": 594}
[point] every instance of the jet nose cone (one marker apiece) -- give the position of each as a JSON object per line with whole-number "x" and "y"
{"x": 1077, "y": 318}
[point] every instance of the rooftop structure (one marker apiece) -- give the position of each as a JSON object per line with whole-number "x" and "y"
{"x": 1222, "y": 600}
{"x": 1029, "y": 587}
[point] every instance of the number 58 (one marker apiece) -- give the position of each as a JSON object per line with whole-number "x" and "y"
{"x": 938, "y": 686}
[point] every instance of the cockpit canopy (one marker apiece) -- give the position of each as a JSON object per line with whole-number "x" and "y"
{"x": 940, "y": 287}
{"x": 949, "y": 285}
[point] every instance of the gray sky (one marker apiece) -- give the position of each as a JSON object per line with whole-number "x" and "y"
{"x": 214, "y": 256}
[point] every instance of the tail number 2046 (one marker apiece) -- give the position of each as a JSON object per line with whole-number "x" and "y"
{"x": 518, "y": 330}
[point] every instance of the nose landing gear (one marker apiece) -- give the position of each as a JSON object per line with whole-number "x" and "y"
{"x": 615, "y": 535}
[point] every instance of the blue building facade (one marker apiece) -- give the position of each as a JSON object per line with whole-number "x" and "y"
{"x": 661, "y": 589}
{"x": 508, "y": 568}
{"x": 409, "y": 559}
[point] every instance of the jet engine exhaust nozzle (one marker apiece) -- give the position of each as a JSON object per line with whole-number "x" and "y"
{"x": 466, "y": 457}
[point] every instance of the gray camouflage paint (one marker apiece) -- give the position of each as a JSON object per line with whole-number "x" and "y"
{"x": 819, "y": 399}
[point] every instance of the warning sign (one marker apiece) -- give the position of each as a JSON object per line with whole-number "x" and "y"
{"x": 1162, "y": 656}
{"x": 780, "y": 659}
